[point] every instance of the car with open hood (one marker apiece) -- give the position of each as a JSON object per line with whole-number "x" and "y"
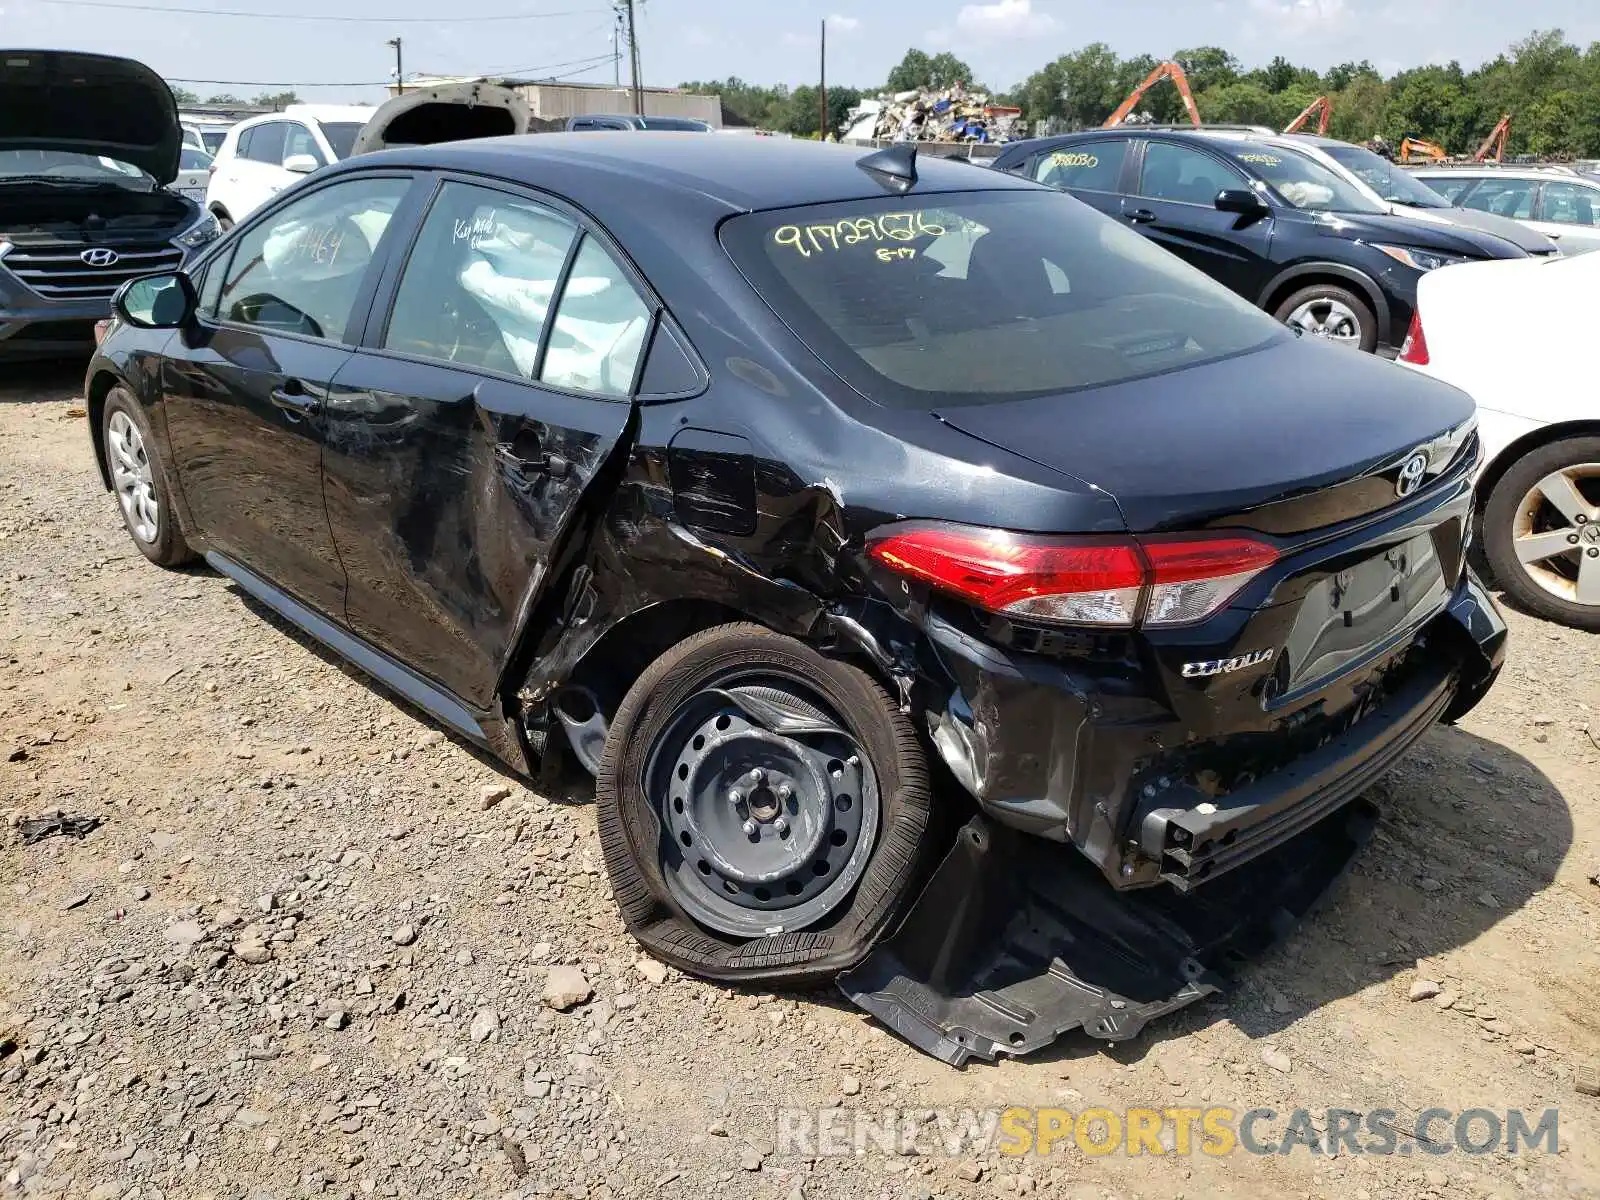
{"x": 808, "y": 497}
{"x": 1258, "y": 214}
{"x": 89, "y": 148}
{"x": 263, "y": 156}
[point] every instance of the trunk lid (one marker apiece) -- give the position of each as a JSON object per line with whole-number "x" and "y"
{"x": 448, "y": 113}
{"x": 89, "y": 104}
{"x": 1293, "y": 437}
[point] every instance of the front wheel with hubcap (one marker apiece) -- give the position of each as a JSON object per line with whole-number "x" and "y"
{"x": 139, "y": 483}
{"x": 1334, "y": 314}
{"x": 762, "y": 808}
{"x": 1541, "y": 531}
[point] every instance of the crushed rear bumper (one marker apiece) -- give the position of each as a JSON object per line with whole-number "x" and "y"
{"x": 1017, "y": 940}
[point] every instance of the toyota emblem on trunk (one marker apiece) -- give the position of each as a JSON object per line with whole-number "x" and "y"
{"x": 1411, "y": 473}
{"x": 100, "y": 257}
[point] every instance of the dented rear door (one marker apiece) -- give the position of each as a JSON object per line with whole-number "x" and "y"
{"x": 461, "y": 442}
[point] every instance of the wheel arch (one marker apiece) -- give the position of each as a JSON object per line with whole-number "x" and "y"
{"x": 100, "y": 385}
{"x": 1304, "y": 275}
{"x": 1535, "y": 439}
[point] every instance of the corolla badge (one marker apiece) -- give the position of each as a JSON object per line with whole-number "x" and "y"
{"x": 1411, "y": 473}
{"x": 100, "y": 257}
{"x": 1225, "y": 666}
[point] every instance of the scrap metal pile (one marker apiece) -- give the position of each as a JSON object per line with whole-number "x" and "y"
{"x": 949, "y": 115}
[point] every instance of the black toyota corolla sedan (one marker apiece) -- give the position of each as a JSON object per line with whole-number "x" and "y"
{"x": 787, "y": 487}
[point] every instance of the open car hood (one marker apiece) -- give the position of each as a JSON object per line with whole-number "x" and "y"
{"x": 89, "y": 104}
{"x": 449, "y": 113}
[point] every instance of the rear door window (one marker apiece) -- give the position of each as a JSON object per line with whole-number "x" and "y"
{"x": 1083, "y": 166}
{"x": 266, "y": 143}
{"x": 1503, "y": 197}
{"x": 481, "y": 280}
{"x": 982, "y": 297}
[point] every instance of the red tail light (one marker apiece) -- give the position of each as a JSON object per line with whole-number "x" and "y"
{"x": 1077, "y": 580}
{"x": 1415, "y": 348}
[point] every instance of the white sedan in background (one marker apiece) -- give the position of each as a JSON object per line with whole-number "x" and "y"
{"x": 1516, "y": 334}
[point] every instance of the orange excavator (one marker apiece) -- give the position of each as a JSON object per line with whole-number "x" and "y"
{"x": 1322, "y": 107}
{"x": 1412, "y": 149}
{"x": 1497, "y": 139}
{"x": 1167, "y": 70}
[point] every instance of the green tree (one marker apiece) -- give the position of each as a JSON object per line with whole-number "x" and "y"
{"x": 225, "y": 98}
{"x": 276, "y": 100}
{"x": 1343, "y": 76}
{"x": 1207, "y": 66}
{"x": 915, "y": 70}
{"x": 946, "y": 70}
{"x": 1434, "y": 102}
{"x": 1091, "y": 85}
{"x": 183, "y": 95}
{"x": 1358, "y": 109}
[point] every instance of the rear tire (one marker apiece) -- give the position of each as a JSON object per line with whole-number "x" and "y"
{"x": 1334, "y": 313}
{"x": 1543, "y": 557}
{"x": 779, "y": 859}
{"x": 139, "y": 482}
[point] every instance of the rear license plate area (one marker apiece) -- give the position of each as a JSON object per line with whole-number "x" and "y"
{"x": 1360, "y": 611}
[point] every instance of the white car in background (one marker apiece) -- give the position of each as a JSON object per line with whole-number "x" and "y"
{"x": 1515, "y": 334}
{"x": 194, "y": 174}
{"x": 262, "y": 156}
{"x": 1557, "y": 201}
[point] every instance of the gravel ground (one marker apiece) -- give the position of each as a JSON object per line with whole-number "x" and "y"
{"x": 318, "y": 948}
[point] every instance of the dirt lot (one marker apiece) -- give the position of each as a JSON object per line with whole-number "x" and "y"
{"x": 307, "y": 954}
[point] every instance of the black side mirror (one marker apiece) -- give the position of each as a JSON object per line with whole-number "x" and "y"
{"x": 157, "y": 301}
{"x": 1240, "y": 200}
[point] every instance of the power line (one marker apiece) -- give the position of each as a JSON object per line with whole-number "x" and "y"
{"x": 272, "y": 16}
{"x": 583, "y": 64}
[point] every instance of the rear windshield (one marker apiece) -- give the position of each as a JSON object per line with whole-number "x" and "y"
{"x": 975, "y": 297}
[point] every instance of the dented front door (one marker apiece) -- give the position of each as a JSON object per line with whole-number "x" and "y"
{"x": 447, "y": 492}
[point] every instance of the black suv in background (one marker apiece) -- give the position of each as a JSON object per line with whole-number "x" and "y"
{"x": 1273, "y": 224}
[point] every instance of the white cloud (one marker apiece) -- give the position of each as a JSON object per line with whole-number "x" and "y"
{"x": 1302, "y": 16}
{"x": 843, "y": 24}
{"x": 1004, "y": 20}
{"x": 791, "y": 38}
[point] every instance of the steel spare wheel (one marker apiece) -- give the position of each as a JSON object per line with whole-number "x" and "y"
{"x": 769, "y": 809}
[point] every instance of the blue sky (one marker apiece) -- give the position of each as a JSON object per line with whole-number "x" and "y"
{"x": 698, "y": 39}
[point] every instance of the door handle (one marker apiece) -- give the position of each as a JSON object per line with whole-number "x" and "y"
{"x": 1141, "y": 216}
{"x": 293, "y": 398}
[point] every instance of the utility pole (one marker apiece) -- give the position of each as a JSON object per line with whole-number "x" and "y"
{"x": 399, "y": 68}
{"x": 633, "y": 60}
{"x": 616, "y": 48}
{"x": 822, "y": 129}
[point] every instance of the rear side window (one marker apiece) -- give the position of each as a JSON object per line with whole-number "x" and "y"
{"x": 979, "y": 297}
{"x": 1503, "y": 197}
{"x": 1570, "y": 204}
{"x": 265, "y": 143}
{"x": 1087, "y": 166}
{"x": 599, "y": 330}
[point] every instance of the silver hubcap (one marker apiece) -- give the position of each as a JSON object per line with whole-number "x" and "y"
{"x": 132, "y": 477}
{"x": 1556, "y": 533}
{"x": 1331, "y": 319}
{"x": 768, "y": 808}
